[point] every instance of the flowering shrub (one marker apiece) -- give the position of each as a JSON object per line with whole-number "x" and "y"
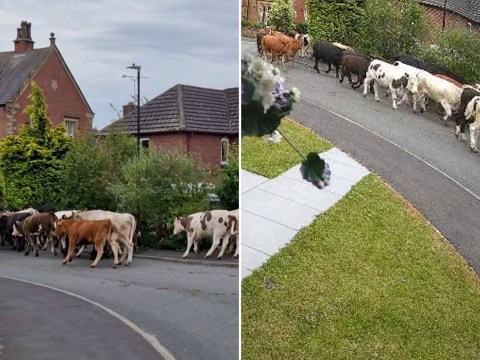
{"x": 265, "y": 102}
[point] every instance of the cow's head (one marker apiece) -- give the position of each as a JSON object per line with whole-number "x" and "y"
{"x": 60, "y": 228}
{"x": 16, "y": 229}
{"x": 412, "y": 84}
{"x": 178, "y": 226}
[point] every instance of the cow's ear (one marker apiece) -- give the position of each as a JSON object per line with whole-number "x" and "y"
{"x": 64, "y": 217}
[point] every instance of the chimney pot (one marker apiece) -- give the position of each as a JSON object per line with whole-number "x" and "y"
{"x": 127, "y": 109}
{"x": 23, "y": 42}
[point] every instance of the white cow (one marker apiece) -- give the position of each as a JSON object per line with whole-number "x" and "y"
{"x": 437, "y": 89}
{"x": 306, "y": 48}
{"x": 473, "y": 109}
{"x": 125, "y": 227}
{"x": 410, "y": 70}
{"x": 387, "y": 76}
{"x": 217, "y": 224}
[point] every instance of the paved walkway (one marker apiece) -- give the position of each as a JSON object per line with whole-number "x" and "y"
{"x": 274, "y": 210}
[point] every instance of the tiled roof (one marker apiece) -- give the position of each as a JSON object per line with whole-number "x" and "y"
{"x": 186, "y": 108}
{"x": 16, "y": 69}
{"x": 467, "y": 8}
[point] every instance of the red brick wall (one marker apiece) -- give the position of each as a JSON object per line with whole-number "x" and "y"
{"x": 204, "y": 147}
{"x": 436, "y": 15}
{"x": 62, "y": 101}
{"x": 250, "y": 7}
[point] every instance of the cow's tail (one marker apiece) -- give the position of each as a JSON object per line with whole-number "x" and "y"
{"x": 471, "y": 107}
{"x": 132, "y": 230}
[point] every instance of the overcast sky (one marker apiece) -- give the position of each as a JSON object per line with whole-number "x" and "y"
{"x": 192, "y": 42}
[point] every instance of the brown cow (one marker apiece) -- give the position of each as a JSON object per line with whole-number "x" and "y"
{"x": 445, "y": 77}
{"x": 84, "y": 232}
{"x": 33, "y": 227}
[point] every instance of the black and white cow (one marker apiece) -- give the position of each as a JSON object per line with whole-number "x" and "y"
{"x": 385, "y": 75}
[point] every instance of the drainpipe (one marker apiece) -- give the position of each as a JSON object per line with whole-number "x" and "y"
{"x": 444, "y": 14}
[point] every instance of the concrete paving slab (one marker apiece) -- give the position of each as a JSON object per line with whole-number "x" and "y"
{"x": 251, "y": 260}
{"x": 339, "y": 186}
{"x": 250, "y": 180}
{"x": 338, "y": 155}
{"x": 264, "y": 235}
{"x": 277, "y": 209}
{"x": 300, "y": 192}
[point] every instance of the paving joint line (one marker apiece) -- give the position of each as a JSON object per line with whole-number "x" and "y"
{"x": 293, "y": 201}
{"x": 270, "y": 220}
{"x": 260, "y": 251}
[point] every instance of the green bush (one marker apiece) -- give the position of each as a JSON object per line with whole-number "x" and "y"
{"x": 228, "y": 184}
{"x": 282, "y": 15}
{"x": 92, "y": 164}
{"x": 458, "y": 50}
{"x": 30, "y": 162}
{"x": 158, "y": 186}
{"x": 335, "y": 20}
{"x": 302, "y": 27}
{"x": 377, "y": 27}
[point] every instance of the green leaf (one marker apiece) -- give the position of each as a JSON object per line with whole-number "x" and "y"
{"x": 315, "y": 170}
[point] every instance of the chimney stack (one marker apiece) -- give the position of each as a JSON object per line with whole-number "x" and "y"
{"x": 127, "y": 109}
{"x": 23, "y": 42}
{"x": 52, "y": 39}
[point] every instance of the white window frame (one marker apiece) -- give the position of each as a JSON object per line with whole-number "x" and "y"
{"x": 142, "y": 140}
{"x": 264, "y": 9}
{"x": 224, "y": 156}
{"x": 73, "y": 121}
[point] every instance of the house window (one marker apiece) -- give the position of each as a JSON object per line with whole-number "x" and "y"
{"x": 263, "y": 11}
{"x": 145, "y": 143}
{"x": 224, "y": 151}
{"x": 70, "y": 126}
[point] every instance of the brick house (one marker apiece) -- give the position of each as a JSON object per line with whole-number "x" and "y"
{"x": 257, "y": 11}
{"x": 464, "y": 13}
{"x": 45, "y": 66}
{"x": 459, "y": 12}
{"x": 200, "y": 122}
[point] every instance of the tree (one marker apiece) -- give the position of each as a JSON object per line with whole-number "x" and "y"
{"x": 30, "y": 162}
{"x": 91, "y": 166}
{"x": 282, "y": 15}
{"x": 157, "y": 187}
{"x": 228, "y": 184}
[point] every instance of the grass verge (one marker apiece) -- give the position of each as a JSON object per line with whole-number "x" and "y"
{"x": 271, "y": 160}
{"x": 370, "y": 278}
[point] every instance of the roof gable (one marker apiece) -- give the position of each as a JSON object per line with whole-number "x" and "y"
{"x": 186, "y": 108}
{"x": 16, "y": 70}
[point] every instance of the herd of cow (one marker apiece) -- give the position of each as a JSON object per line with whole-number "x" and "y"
{"x": 405, "y": 78}
{"x": 32, "y": 229}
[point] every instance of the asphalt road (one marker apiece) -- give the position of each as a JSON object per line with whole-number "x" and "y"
{"x": 416, "y": 154}
{"x": 192, "y": 310}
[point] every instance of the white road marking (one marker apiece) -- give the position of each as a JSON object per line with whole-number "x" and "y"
{"x": 152, "y": 340}
{"x": 398, "y": 146}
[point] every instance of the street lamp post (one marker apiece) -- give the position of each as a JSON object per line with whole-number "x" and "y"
{"x": 444, "y": 14}
{"x": 137, "y": 67}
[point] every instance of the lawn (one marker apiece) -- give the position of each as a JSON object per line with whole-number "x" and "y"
{"x": 270, "y": 160}
{"x": 370, "y": 278}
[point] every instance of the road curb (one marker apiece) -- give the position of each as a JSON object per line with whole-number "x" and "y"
{"x": 186, "y": 261}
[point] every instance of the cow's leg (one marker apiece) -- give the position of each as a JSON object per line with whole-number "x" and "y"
{"x": 71, "y": 246}
{"x": 329, "y": 68}
{"x": 375, "y": 90}
{"x": 195, "y": 246}
{"x": 315, "y": 67}
{"x": 33, "y": 244}
{"x": 215, "y": 242}
{"x": 114, "y": 247}
{"x": 99, "y": 248}
{"x": 225, "y": 241}
{"x": 79, "y": 252}
{"x": 448, "y": 111}
{"x": 190, "y": 237}
{"x": 366, "y": 84}
{"x": 474, "y": 128}
{"x": 129, "y": 246}
{"x": 336, "y": 71}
